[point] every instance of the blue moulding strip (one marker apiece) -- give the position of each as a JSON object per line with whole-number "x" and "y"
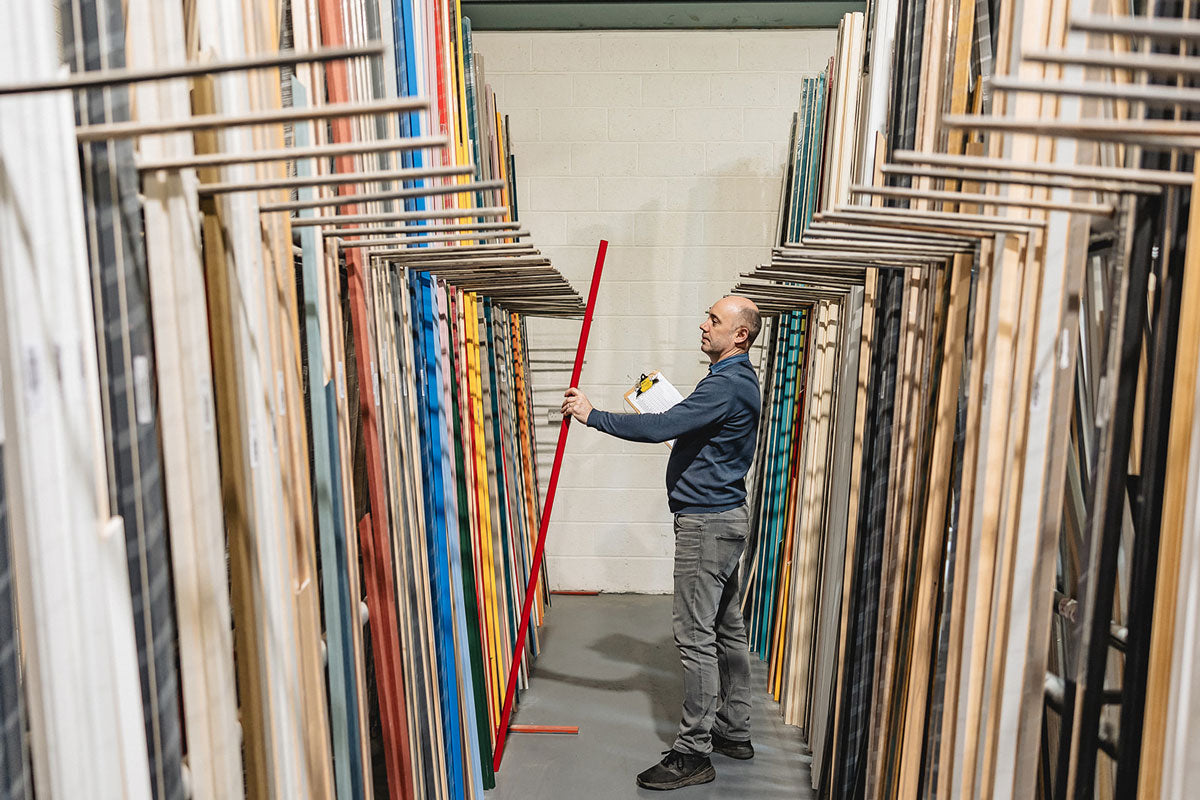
{"x": 435, "y": 527}
{"x": 335, "y": 588}
{"x": 462, "y": 647}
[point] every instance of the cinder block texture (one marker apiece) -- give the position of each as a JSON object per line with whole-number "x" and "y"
{"x": 671, "y": 145}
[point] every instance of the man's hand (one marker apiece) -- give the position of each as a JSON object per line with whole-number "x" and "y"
{"x": 576, "y": 404}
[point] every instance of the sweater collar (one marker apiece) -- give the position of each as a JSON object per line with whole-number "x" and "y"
{"x": 725, "y": 362}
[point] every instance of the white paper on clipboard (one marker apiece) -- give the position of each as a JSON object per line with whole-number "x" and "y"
{"x": 660, "y": 396}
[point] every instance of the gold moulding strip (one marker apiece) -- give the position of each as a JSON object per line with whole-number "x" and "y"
{"x": 335, "y": 179}
{"x": 1047, "y": 181}
{"x": 1152, "y": 27}
{"x": 1132, "y": 92}
{"x": 1095, "y": 209}
{"x": 123, "y": 130}
{"x": 295, "y": 153}
{"x": 1102, "y": 131}
{"x": 120, "y": 77}
{"x": 371, "y": 197}
{"x": 1080, "y": 171}
{"x": 1107, "y": 59}
{"x": 447, "y": 237}
{"x": 484, "y": 212}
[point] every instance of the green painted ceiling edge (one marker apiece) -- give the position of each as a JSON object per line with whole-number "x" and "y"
{"x": 519, "y": 15}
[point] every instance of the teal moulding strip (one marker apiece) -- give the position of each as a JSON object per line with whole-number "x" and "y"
{"x": 514, "y": 15}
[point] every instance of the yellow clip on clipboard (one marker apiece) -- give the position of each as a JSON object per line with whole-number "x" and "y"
{"x": 653, "y": 394}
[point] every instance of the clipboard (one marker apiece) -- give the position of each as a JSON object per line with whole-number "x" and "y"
{"x": 653, "y": 394}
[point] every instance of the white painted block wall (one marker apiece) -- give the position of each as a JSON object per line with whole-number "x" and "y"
{"x": 671, "y": 145}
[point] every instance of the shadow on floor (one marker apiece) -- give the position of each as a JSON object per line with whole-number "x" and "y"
{"x": 608, "y": 664}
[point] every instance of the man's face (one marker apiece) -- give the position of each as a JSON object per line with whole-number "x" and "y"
{"x": 720, "y": 328}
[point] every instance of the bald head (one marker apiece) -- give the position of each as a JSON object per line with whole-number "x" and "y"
{"x": 731, "y": 326}
{"x": 746, "y": 313}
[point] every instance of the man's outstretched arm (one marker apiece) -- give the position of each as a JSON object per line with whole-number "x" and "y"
{"x": 702, "y": 407}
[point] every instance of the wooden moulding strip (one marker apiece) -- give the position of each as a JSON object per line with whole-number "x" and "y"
{"x": 543, "y": 728}
{"x": 1174, "y": 533}
{"x": 468, "y": 252}
{"x": 408, "y": 241}
{"x": 398, "y": 194}
{"x": 779, "y": 291}
{"x": 336, "y": 179}
{"x": 1154, "y": 28}
{"x": 965, "y": 242}
{"x": 1051, "y": 182}
{"x": 1135, "y": 92}
{"x": 486, "y": 212}
{"x": 1107, "y": 59}
{"x": 1153, "y": 176}
{"x": 832, "y": 268}
{"x": 424, "y": 229}
{"x": 122, "y": 130}
{"x": 119, "y": 77}
{"x": 855, "y": 253}
{"x": 882, "y": 241}
{"x": 1128, "y": 133}
{"x": 1096, "y": 209}
{"x": 851, "y": 251}
{"x": 452, "y": 263}
{"x": 819, "y": 281}
{"x": 293, "y": 153}
{"x": 981, "y": 225}
{"x": 877, "y": 239}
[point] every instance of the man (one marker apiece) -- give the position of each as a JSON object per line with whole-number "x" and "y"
{"x": 715, "y": 431}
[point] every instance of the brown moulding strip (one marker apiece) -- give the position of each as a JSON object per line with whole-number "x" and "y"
{"x": 424, "y": 229}
{"x": 374, "y": 527}
{"x": 118, "y": 77}
{"x": 483, "y": 212}
{"x": 1130, "y": 133}
{"x": 335, "y": 179}
{"x": 397, "y": 194}
{"x": 1052, "y": 182}
{"x": 543, "y": 728}
{"x": 123, "y": 130}
{"x": 340, "y": 149}
{"x": 1155, "y": 176}
{"x": 1107, "y": 59}
{"x": 400, "y": 242}
{"x": 1155, "y": 28}
{"x": 1149, "y": 94}
{"x": 1096, "y": 209}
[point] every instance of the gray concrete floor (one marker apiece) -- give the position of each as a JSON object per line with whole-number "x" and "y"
{"x": 608, "y": 664}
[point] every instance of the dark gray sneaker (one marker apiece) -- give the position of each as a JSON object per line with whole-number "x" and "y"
{"x": 676, "y": 770}
{"x": 728, "y": 747}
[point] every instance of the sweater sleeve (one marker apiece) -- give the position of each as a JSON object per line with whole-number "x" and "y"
{"x": 706, "y": 405}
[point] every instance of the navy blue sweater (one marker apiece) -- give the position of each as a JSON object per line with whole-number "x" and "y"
{"x": 715, "y": 428}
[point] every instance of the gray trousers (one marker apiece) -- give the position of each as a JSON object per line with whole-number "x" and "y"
{"x": 709, "y": 631}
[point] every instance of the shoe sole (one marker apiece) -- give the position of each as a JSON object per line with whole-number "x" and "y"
{"x": 738, "y": 756}
{"x": 704, "y": 776}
